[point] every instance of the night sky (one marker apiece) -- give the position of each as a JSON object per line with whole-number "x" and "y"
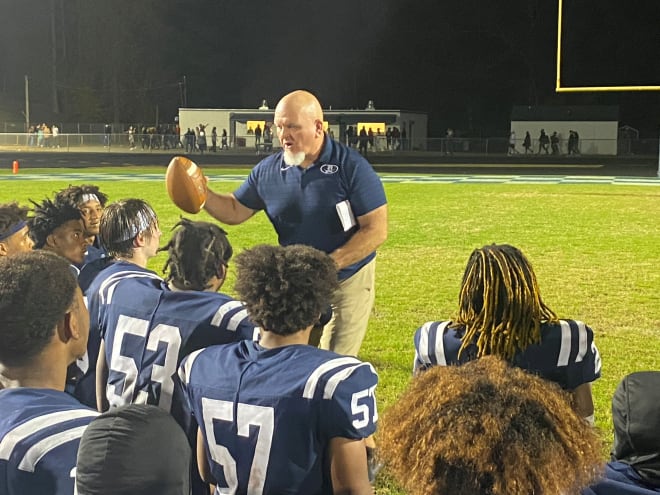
{"x": 464, "y": 63}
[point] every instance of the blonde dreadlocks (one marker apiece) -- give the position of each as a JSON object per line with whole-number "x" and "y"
{"x": 500, "y": 305}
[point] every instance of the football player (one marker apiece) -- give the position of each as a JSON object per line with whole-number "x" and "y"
{"x": 634, "y": 466}
{"x": 136, "y": 449}
{"x": 57, "y": 226}
{"x": 14, "y": 236}
{"x": 43, "y": 328}
{"x": 147, "y": 328}
{"x": 487, "y": 428}
{"x": 281, "y": 416}
{"x": 501, "y": 312}
{"x": 90, "y": 201}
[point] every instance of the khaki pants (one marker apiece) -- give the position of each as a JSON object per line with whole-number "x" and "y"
{"x": 351, "y": 307}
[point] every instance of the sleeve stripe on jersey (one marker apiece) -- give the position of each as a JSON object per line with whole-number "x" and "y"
{"x": 236, "y": 320}
{"x": 312, "y": 381}
{"x": 339, "y": 377}
{"x": 582, "y": 338}
{"x": 24, "y": 430}
{"x": 223, "y": 310}
{"x": 565, "y": 349}
{"x": 184, "y": 371}
{"x": 597, "y": 361}
{"x": 567, "y": 333}
{"x": 440, "y": 344}
{"x": 423, "y": 347}
{"x": 109, "y": 284}
{"x": 42, "y": 447}
{"x": 435, "y": 334}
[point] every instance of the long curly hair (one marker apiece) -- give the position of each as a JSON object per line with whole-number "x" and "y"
{"x": 500, "y": 305}
{"x": 197, "y": 252}
{"x": 487, "y": 428}
{"x": 285, "y": 289}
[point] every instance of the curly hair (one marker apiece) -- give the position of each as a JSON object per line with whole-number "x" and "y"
{"x": 79, "y": 194}
{"x": 197, "y": 251}
{"x": 285, "y": 289}
{"x": 48, "y": 216}
{"x": 121, "y": 223}
{"x": 36, "y": 290}
{"x": 487, "y": 428}
{"x": 10, "y": 215}
{"x": 500, "y": 305}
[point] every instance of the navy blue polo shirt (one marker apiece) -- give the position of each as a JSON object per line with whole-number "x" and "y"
{"x": 301, "y": 203}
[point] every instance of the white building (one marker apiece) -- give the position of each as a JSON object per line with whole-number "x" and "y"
{"x": 596, "y": 126}
{"x": 241, "y": 122}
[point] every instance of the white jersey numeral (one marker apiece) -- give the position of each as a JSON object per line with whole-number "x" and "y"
{"x": 246, "y": 415}
{"x": 360, "y": 409}
{"x": 162, "y": 374}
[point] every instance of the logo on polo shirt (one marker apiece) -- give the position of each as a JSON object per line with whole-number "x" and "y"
{"x": 329, "y": 169}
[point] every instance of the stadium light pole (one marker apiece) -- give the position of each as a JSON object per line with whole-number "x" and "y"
{"x": 27, "y": 104}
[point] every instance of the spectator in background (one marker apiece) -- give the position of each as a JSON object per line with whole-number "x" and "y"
{"x": 131, "y": 137}
{"x": 634, "y": 468}
{"x": 501, "y": 312}
{"x": 527, "y": 143}
{"x": 40, "y": 135}
{"x": 257, "y": 137}
{"x": 554, "y": 143}
{"x": 56, "y": 136}
{"x": 487, "y": 428}
{"x": 268, "y": 138}
{"x": 396, "y": 138}
{"x": 201, "y": 140}
{"x": 135, "y": 449}
{"x": 190, "y": 140}
{"x": 14, "y": 233}
{"x": 544, "y": 141}
{"x": 364, "y": 141}
{"x": 225, "y": 146}
{"x": 449, "y": 141}
{"x": 214, "y": 139}
{"x": 107, "y": 131}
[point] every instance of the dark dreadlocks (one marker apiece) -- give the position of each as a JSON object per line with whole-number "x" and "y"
{"x": 198, "y": 251}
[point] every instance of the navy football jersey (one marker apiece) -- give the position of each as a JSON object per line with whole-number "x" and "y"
{"x": 40, "y": 430}
{"x": 268, "y": 415}
{"x": 566, "y": 354}
{"x": 147, "y": 330}
{"x": 621, "y": 479}
{"x": 82, "y": 382}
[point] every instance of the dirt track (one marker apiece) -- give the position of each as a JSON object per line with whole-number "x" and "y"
{"x": 412, "y": 162}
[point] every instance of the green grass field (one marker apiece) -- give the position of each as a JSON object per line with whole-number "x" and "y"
{"x": 595, "y": 248}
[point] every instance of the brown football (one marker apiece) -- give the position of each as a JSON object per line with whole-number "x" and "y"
{"x": 186, "y": 184}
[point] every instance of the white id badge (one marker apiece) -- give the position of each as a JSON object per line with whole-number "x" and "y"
{"x": 346, "y": 216}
